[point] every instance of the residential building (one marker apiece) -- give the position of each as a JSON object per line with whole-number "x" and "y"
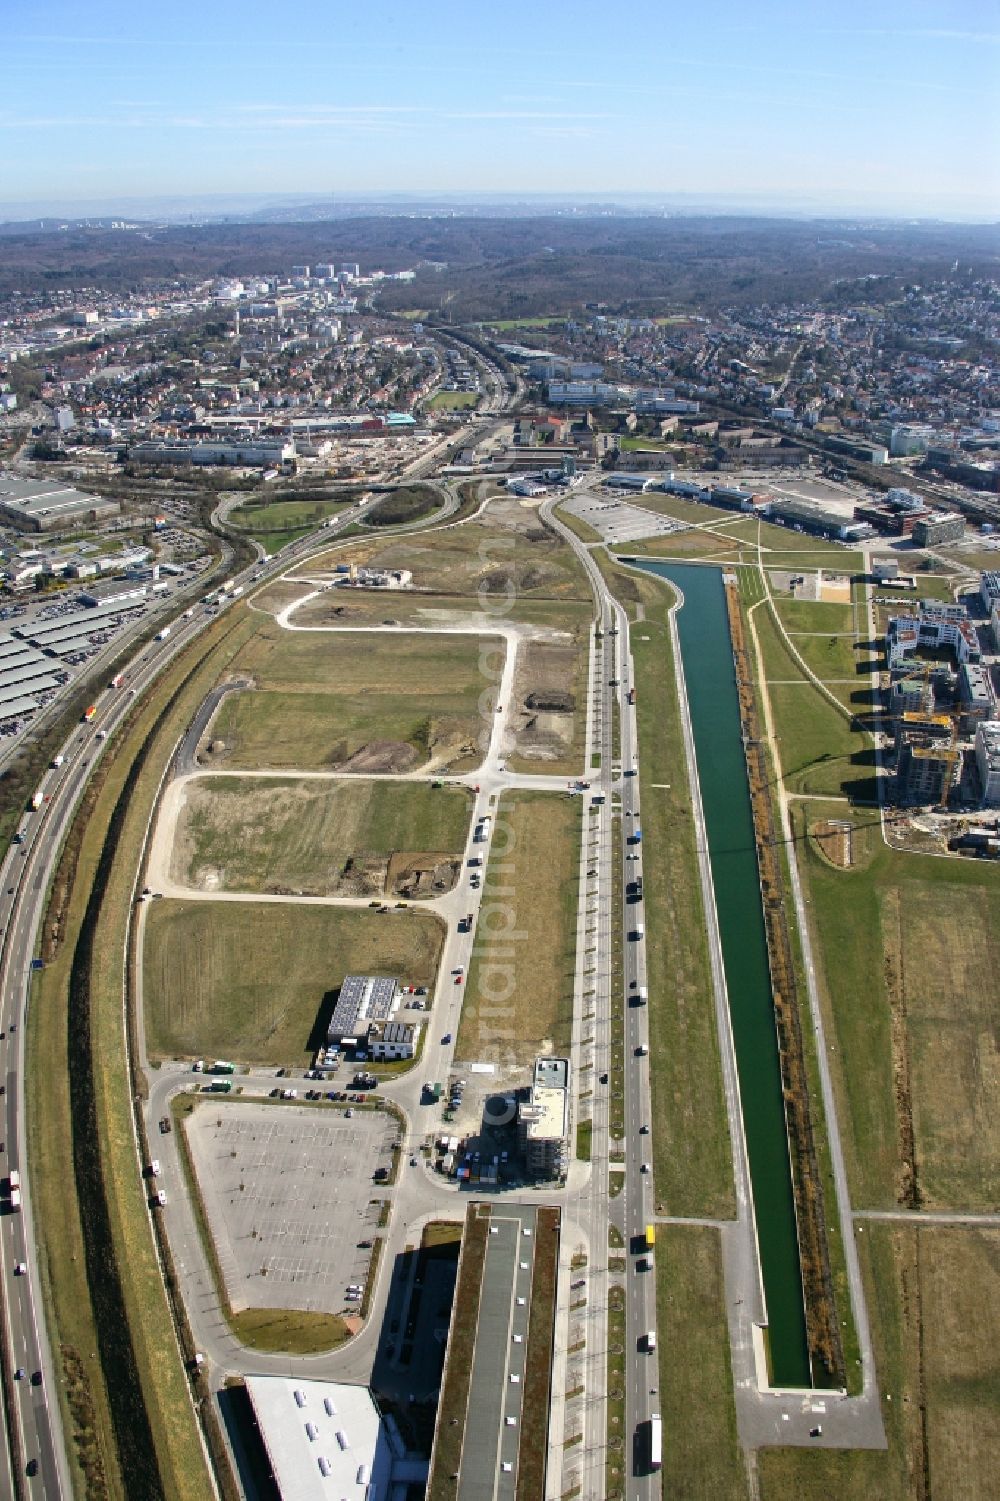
{"x": 976, "y": 696}
{"x": 988, "y": 761}
{"x": 928, "y": 764}
{"x": 938, "y": 528}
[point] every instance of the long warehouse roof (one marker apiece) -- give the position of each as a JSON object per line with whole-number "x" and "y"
{"x": 24, "y": 670}
{"x": 17, "y": 706}
{"x": 33, "y": 685}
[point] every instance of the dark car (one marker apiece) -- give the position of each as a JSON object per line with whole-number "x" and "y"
{"x": 36, "y": 1378}
{"x": 31, "y": 1468}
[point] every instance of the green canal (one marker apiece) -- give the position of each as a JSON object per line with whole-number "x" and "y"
{"x": 707, "y": 658}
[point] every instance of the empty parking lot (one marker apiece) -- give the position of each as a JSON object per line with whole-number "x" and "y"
{"x": 288, "y": 1194}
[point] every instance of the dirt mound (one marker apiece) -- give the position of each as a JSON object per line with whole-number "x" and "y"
{"x": 552, "y": 700}
{"x": 381, "y": 755}
{"x": 834, "y": 838}
{"x": 422, "y": 875}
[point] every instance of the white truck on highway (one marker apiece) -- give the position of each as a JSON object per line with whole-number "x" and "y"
{"x": 162, "y": 635}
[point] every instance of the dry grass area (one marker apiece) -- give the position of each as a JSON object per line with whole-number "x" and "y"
{"x": 950, "y": 964}
{"x": 507, "y": 551}
{"x": 379, "y": 702}
{"x": 203, "y": 998}
{"x": 519, "y": 996}
{"x": 550, "y": 694}
{"x": 315, "y": 838}
{"x": 934, "y": 1300}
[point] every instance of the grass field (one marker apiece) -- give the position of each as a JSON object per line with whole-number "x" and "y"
{"x": 291, "y": 1331}
{"x": 519, "y": 993}
{"x": 453, "y": 401}
{"x": 692, "y": 1155}
{"x": 702, "y": 1459}
{"x": 507, "y": 555}
{"x": 820, "y": 751}
{"x": 237, "y": 834}
{"x": 814, "y": 615}
{"x": 320, "y": 699}
{"x": 910, "y": 960}
{"x": 933, "y": 1300}
{"x": 203, "y": 997}
{"x": 283, "y": 515}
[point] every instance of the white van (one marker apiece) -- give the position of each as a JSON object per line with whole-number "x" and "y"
{"x": 651, "y": 1341}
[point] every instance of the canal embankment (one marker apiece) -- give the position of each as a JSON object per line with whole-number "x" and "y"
{"x": 823, "y": 1337}
{"x": 712, "y": 702}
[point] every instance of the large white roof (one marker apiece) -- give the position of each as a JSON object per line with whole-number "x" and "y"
{"x": 325, "y": 1439}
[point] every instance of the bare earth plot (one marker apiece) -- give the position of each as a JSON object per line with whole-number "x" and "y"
{"x": 257, "y": 983}
{"x": 373, "y": 702}
{"x": 346, "y": 838}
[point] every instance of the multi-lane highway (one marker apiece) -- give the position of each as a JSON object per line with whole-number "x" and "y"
{"x": 35, "y": 1454}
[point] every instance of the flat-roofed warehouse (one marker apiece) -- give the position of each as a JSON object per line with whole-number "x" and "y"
{"x": 362, "y": 999}
{"x": 491, "y": 1435}
{"x": 324, "y": 1440}
{"x": 49, "y": 505}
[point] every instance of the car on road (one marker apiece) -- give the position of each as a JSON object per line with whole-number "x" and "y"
{"x": 36, "y": 1378}
{"x": 31, "y": 1468}
{"x": 644, "y": 1167}
{"x": 604, "y": 1079}
{"x": 644, "y": 1129}
{"x": 348, "y": 1113}
{"x": 165, "y": 1126}
{"x": 20, "y": 1268}
{"x": 446, "y": 1038}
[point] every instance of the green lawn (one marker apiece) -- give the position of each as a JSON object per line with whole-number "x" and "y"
{"x": 238, "y": 834}
{"x": 283, "y": 515}
{"x": 257, "y": 982}
{"x": 519, "y": 992}
{"x": 453, "y": 401}
{"x": 701, "y": 1459}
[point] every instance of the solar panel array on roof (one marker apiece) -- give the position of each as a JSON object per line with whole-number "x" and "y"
{"x": 362, "y": 998}
{"x": 17, "y": 706}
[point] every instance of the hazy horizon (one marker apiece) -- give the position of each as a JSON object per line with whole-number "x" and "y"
{"x": 888, "y": 108}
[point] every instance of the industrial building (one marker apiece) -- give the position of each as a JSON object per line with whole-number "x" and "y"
{"x": 988, "y": 761}
{"x": 854, "y": 448}
{"x": 49, "y": 505}
{"x": 543, "y": 1120}
{"x": 484, "y": 1446}
{"x": 938, "y": 528}
{"x": 251, "y": 452}
{"x": 809, "y": 516}
{"x": 363, "y": 999}
{"x": 324, "y": 1439}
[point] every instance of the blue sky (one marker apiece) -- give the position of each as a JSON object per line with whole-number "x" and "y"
{"x": 889, "y": 105}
